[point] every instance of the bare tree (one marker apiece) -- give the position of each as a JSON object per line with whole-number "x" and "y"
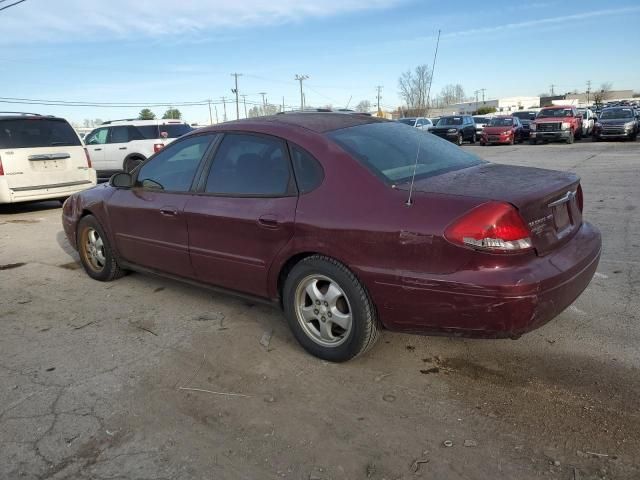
{"x": 364, "y": 106}
{"x": 603, "y": 93}
{"x": 261, "y": 111}
{"x": 451, "y": 94}
{"x": 414, "y": 88}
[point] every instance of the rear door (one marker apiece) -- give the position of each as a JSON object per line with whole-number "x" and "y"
{"x": 41, "y": 152}
{"x": 244, "y": 214}
{"x": 95, "y": 142}
{"x": 116, "y": 148}
{"x": 148, "y": 220}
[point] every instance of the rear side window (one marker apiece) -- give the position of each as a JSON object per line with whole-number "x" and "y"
{"x": 172, "y": 130}
{"x": 308, "y": 171}
{"x": 390, "y": 149}
{"x": 37, "y": 132}
{"x": 247, "y": 165}
{"x": 119, "y": 135}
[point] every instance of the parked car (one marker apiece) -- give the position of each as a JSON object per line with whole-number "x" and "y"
{"x": 41, "y": 158}
{"x": 588, "y": 121}
{"x": 350, "y": 224}
{"x": 616, "y": 122}
{"x": 480, "y": 122}
{"x": 418, "y": 122}
{"x": 556, "y": 123}
{"x": 502, "y": 129}
{"x": 526, "y": 117}
{"x": 456, "y": 128}
{"x": 124, "y": 144}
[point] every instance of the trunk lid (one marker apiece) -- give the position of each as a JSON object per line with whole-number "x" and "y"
{"x": 547, "y": 200}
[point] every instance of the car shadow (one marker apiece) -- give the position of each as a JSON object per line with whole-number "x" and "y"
{"x": 28, "y": 207}
{"x": 61, "y": 238}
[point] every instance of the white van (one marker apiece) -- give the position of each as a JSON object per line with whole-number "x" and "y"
{"x": 41, "y": 158}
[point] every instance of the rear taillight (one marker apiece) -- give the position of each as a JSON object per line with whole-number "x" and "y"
{"x": 86, "y": 154}
{"x": 157, "y": 147}
{"x": 580, "y": 198}
{"x": 493, "y": 226}
{"x": 1, "y": 169}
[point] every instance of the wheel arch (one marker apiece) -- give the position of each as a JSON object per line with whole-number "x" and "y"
{"x": 133, "y": 155}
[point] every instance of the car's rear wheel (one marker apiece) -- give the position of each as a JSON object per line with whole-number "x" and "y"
{"x": 329, "y": 310}
{"x": 132, "y": 163}
{"x": 96, "y": 254}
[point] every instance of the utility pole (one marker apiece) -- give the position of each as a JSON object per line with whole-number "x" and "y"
{"x": 301, "y": 78}
{"x": 283, "y": 104}
{"x": 552, "y": 87}
{"x": 379, "y": 88}
{"x": 588, "y": 91}
{"x": 224, "y": 105}
{"x": 483, "y": 90}
{"x": 235, "y": 90}
{"x": 216, "y": 110}
{"x": 210, "y": 117}
{"x": 476, "y": 93}
{"x": 244, "y": 101}
{"x": 264, "y": 102}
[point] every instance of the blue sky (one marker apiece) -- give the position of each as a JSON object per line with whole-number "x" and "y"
{"x": 170, "y": 51}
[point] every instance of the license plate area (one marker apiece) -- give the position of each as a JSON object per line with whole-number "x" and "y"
{"x": 46, "y": 165}
{"x": 561, "y": 218}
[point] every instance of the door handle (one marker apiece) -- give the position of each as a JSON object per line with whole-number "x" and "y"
{"x": 122, "y": 148}
{"x": 169, "y": 211}
{"x": 97, "y": 149}
{"x": 269, "y": 221}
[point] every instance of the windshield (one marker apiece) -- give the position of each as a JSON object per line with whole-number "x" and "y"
{"x": 501, "y": 122}
{"x": 37, "y": 132}
{"x": 525, "y": 115}
{"x": 389, "y": 150}
{"x": 408, "y": 121}
{"x": 555, "y": 112}
{"x": 481, "y": 119}
{"x": 174, "y": 130}
{"x": 445, "y": 121}
{"x": 616, "y": 113}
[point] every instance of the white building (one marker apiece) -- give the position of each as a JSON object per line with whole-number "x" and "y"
{"x": 502, "y": 105}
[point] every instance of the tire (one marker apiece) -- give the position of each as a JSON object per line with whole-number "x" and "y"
{"x": 473, "y": 138}
{"x": 312, "y": 327}
{"x": 131, "y": 163}
{"x": 96, "y": 254}
{"x": 571, "y": 138}
{"x": 533, "y": 141}
{"x": 459, "y": 140}
{"x": 579, "y": 135}
{"x": 513, "y": 139}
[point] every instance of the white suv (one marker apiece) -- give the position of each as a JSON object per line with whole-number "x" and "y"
{"x": 124, "y": 144}
{"x": 41, "y": 158}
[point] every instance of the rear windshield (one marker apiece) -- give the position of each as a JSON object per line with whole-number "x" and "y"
{"x": 174, "y": 130}
{"x": 37, "y": 132}
{"x": 390, "y": 149}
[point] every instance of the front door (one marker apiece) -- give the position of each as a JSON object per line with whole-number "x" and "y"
{"x": 244, "y": 213}
{"x": 95, "y": 143}
{"x": 148, "y": 220}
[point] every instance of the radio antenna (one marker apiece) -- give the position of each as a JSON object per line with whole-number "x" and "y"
{"x": 409, "y": 201}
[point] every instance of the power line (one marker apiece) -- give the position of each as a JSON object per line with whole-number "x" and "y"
{"x": 12, "y": 5}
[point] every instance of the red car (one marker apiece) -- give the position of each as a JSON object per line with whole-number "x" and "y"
{"x": 349, "y": 223}
{"x": 502, "y": 129}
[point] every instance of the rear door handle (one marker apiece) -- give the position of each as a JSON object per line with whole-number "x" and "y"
{"x": 269, "y": 221}
{"x": 97, "y": 149}
{"x": 169, "y": 211}
{"x": 122, "y": 148}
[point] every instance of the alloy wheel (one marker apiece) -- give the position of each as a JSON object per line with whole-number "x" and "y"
{"x": 93, "y": 249}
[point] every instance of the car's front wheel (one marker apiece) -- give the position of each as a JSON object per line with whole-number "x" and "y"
{"x": 329, "y": 310}
{"x": 460, "y": 139}
{"x": 96, "y": 254}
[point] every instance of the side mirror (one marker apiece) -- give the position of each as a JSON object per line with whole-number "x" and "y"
{"x": 121, "y": 180}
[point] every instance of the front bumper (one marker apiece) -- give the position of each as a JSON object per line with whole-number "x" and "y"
{"x": 489, "y": 302}
{"x": 613, "y": 135}
{"x": 451, "y": 136}
{"x": 557, "y": 135}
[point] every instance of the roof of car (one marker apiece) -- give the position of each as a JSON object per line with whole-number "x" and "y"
{"x": 316, "y": 122}
{"x": 23, "y": 115}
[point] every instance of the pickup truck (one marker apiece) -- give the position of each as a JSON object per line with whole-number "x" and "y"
{"x": 556, "y": 123}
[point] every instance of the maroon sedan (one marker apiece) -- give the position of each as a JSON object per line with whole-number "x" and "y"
{"x": 349, "y": 223}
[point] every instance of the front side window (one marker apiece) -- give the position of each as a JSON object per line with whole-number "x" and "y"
{"x": 389, "y": 150}
{"x": 97, "y": 137}
{"x": 247, "y": 165}
{"x": 174, "y": 168}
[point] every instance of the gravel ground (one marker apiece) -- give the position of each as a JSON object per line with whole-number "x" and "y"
{"x": 95, "y": 378}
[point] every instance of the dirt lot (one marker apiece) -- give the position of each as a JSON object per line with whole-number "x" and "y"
{"x": 91, "y": 373}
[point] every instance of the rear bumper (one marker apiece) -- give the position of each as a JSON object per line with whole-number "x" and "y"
{"x": 45, "y": 192}
{"x": 492, "y": 303}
